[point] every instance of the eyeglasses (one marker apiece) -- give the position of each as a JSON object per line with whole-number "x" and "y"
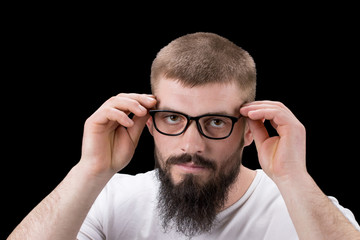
{"x": 212, "y": 126}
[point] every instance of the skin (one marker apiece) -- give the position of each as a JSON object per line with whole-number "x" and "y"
{"x": 108, "y": 147}
{"x": 283, "y": 160}
{"x": 226, "y": 99}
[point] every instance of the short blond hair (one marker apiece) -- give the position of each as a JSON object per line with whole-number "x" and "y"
{"x": 200, "y": 58}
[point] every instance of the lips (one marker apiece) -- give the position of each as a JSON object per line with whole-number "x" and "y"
{"x": 190, "y": 167}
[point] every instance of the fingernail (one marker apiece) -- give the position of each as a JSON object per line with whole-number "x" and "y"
{"x": 150, "y": 99}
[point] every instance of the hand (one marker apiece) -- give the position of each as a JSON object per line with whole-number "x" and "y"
{"x": 279, "y": 156}
{"x": 110, "y": 136}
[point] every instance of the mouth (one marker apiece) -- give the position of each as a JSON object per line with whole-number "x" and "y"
{"x": 190, "y": 167}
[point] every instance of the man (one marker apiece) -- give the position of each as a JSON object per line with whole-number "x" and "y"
{"x": 201, "y": 115}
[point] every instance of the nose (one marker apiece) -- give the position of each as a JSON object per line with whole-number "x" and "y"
{"x": 192, "y": 142}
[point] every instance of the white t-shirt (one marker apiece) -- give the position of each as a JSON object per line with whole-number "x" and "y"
{"x": 126, "y": 209}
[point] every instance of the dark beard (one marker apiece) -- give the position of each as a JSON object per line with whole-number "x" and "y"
{"x": 191, "y": 206}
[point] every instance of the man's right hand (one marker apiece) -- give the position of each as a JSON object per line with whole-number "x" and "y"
{"x": 109, "y": 142}
{"x": 110, "y": 136}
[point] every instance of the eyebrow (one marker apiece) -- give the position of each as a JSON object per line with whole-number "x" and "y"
{"x": 210, "y": 113}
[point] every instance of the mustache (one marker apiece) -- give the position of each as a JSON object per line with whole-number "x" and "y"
{"x": 196, "y": 159}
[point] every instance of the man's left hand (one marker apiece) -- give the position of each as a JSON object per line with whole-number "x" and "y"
{"x": 283, "y": 155}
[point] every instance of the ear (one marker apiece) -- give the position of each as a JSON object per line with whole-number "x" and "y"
{"x": 150, "y": 125}
{"x": 248, "y": 136}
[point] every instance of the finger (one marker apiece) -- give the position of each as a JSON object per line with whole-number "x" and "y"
{"x": 259, "y": 132}
{"x": 275, "y": 115}
{"x": 248, "y": 108}
{"x": 146, "y": 100}
{"x": 127, "y": 105}
{"x": 118, "y": 116}
{"x": 273, "y": 124}
{"x": 281, "y": 118}
{"x": 265, "y": 102}
{"x": 138, "y": 127}
{"x": 118, "y": 108}
{"x": 263, "y": 105}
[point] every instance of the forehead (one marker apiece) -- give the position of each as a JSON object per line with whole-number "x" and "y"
{"x": 208, "y": 98}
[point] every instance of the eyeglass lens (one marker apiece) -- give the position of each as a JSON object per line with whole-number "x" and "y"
{"x": 210, "y": 125}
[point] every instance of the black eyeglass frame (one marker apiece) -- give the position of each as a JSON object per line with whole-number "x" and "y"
{"x": 196, "y": 119}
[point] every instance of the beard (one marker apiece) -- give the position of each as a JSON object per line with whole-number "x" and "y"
{"x": 191, "y": 206}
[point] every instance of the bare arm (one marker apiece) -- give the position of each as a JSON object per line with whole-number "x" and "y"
{"x": 282, "y": 157}
{"x": 109, "y": 142}
{"x": 312, "y": 212}
{"x": 61, "y": 213}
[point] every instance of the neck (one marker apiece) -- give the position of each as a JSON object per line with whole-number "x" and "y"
{"x": 240, "y": 186}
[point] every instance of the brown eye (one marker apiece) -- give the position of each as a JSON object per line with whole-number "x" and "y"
{"x": 217, "y": 123}
{"x": 172, "y": 119}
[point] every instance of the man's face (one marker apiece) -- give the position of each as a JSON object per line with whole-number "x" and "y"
{"x": 196, "y": 172}
{"x": 212, "y": 98}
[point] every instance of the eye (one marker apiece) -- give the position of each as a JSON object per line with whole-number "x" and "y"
{"x": 218, "y": 123}
{"x": 172, "y": 119}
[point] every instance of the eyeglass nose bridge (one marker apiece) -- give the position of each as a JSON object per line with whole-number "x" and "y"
{"x": 198, "y": 125}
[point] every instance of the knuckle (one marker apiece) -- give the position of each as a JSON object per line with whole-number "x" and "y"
{"x": 112, "y": 99}
{"x": 300, "y": 127}
{"x": 87, "y": 122}
{"x": 280, "y": 104}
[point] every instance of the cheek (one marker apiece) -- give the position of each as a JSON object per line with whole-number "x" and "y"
{"x": 165, "y": 145}
{"x": 221, "y": 152}
{"x": 218, "y": 150}
{"x": 232, "y": 143}
{"x": 159, "y": 140}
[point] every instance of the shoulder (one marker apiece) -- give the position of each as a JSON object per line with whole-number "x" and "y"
{"x": 269, "y": 210}
{"x": 125, "y": 188}
{"x": 144, "y": 179}
{"x": 267, "y": 194}
{"x": 347, "y": 212}
{"x": 126, "y": 184}
{"x": 264, "y": 185}
{"x": 260, "y": 214}
{"x": 125, "y": 205}
{"x": 262, "y": 199}
{"x": 126, "y": 193}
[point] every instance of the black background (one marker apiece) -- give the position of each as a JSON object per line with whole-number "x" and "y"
{"x": 62, "y": 62}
